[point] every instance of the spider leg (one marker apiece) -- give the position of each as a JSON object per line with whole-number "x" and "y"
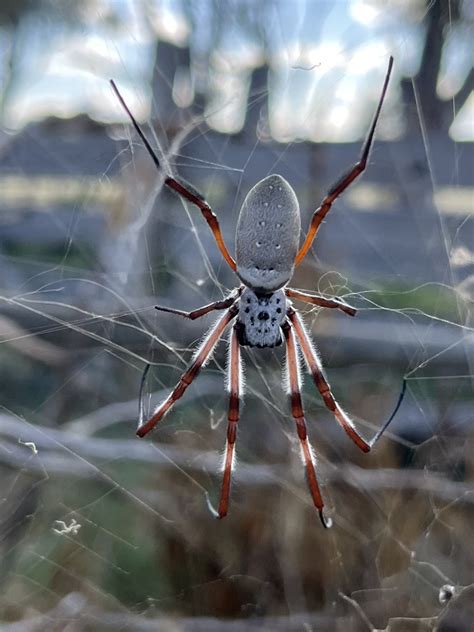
{"x": 202, "y": 311}
{"x": 233, "y": 419}
{"x": 202, "y": 355}
{"x": 298, "y": 415}
{"x": 342, "y": 184}
{"x": 315, "y": 367}
{"x": 181, "y": 187}
{"x": 334, "y": 303}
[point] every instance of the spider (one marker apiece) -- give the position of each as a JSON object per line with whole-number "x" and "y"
{"x": 267, "y": 252}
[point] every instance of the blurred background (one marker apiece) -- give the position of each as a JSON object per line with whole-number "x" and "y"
{"x": 102, "y": 531}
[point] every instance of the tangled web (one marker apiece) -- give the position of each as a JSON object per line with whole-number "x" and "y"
{"x": 112, "y": 532}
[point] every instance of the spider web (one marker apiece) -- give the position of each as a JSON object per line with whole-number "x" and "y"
{"x": 106, "y": 531}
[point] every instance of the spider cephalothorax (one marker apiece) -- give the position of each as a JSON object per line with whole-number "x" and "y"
{"x": 267, "y": 252}
{"x": 260, "y": 318}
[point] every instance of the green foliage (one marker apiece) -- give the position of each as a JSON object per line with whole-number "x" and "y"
{"x": 431, "y": 299}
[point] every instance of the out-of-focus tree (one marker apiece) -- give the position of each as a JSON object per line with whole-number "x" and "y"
{"x": 440, "y": 17}
{"x": 251, "y": 34}
{"x": 12, "y": 15}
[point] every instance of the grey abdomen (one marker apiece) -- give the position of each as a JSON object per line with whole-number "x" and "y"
{"x": 267, "y": 235}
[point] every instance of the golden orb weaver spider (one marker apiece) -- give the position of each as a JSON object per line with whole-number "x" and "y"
{"x": 267, "y": 252}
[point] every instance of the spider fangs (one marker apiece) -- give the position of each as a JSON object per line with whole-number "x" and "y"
{"x": 267, "y": 252}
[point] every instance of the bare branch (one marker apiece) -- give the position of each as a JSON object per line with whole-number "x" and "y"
{"x": 52, "y": 458}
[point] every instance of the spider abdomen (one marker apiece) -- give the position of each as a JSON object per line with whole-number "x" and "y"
{"x": 267, "y": 236}
{"x": 260, "y": 318}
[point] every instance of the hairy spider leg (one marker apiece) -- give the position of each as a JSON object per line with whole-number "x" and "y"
{"x": 333, "y": 303}
{"x": 202, "y": 311}
{"x": 316, "y": 370}
{"x": 184, "y": 189}
{"x": 298, "y": 415}
{"x": 342, "y": 184}
{"x": 202, "y": 355}
{"x": 233, "y": 419}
